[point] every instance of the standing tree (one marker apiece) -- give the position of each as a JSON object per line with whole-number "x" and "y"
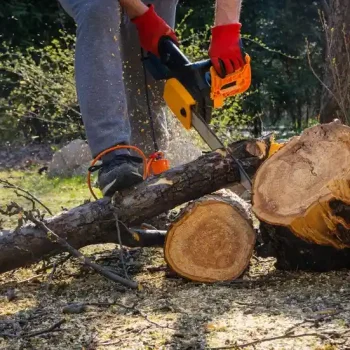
{"x": 335, "y": 101}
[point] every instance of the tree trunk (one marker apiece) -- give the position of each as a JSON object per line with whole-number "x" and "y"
{"x": 94, "y": 222}
{"x": 212, "y": 239}
{"x": 302, "y": 197}
{"x": 335, "y": 101}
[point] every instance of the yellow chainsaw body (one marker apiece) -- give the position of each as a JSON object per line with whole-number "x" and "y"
{"x": 180, "y": 101}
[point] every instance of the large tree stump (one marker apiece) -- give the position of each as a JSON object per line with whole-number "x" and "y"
{"x": 212, "y": 239}
{"x": 304, "y": 190}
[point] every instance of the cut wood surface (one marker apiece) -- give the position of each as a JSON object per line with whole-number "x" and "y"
{"x": 212, "y": 239}
{"x": 298, "y": 185}
{"x": 94, "y": 223}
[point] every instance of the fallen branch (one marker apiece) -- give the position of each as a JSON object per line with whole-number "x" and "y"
{"x": 83, "y": 259}
{"x": 21, "y": 281}
{"x": 30, "y": 196}
{"x": 44, "y": 331}
{"x": 53, "y": 328}
{"x": 54, "y": 264}
{"x": 324, "y": 335}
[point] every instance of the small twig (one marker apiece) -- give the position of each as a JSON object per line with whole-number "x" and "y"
{"x": 323, "y": 335}
{"x": 50, "y": 278}
{"x": 153, "y": 269}
{"x": 57, "y": 263}
{"x": 120, "y": 244}
{"x": 9, "y": 185}
{"x": 8, "y": 335}
{"x": 315, "y": 320}
{"x": 147, "y": 231}
{"x": 27, "y": 198}
{"x": 250, "y": 304}
{"x": 116, "y": 342}
{"x": 263, "y": 340}
{"x": 44, "y": 331}
{"x": 130, "y": 308}
{"x": 292, "y": 328}
{"x": 22, "y": 281}
{"x": 35, "y": 333}
{"x": 84, "y": 260}
{"x": 317, "y": 76}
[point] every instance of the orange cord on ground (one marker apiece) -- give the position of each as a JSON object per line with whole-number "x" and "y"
{"x": 155, "y": 164}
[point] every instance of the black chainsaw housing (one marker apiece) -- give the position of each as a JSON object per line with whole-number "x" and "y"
{"x": 195, "y": 77}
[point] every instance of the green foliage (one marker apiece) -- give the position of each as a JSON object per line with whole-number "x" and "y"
{"x": 26, "y": 23}
{"x": 287, "y": 91}
{"x": 41, "y": 87}
{"x": 56, "y": 193}
{"x": 284, "y": 91}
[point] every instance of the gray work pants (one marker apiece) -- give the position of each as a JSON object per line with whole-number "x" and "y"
{"x": 109, "y": 75}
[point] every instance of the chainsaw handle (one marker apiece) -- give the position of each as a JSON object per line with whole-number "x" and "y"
{"x": 231, "y": 85}
{"x": 170, "y": 54}
{"x": 175, "y": 59}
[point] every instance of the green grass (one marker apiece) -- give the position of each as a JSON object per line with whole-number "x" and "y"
{"x": 55, "y": 193}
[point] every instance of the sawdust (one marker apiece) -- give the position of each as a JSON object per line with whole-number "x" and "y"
{"x": 171, "y": 313}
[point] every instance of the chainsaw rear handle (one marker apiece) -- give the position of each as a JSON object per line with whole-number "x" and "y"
{"x": 174, "y": 58}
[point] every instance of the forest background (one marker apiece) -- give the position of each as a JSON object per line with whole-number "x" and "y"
{"x": 300, "y": 66}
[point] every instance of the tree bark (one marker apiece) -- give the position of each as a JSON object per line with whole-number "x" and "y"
{"x": 95, "y": 222}
{"x": 335, "y": 101}
{"x": 301, "y": 194}
{"x": 212, "y": 239}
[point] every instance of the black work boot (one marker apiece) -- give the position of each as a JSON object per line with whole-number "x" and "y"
{"x": 118, "y": 174}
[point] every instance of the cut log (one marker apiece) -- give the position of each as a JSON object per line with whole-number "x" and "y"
{"x": 212, "y": 239}
{"x": 298, "y": 186}
{"x": 94, "y": 222}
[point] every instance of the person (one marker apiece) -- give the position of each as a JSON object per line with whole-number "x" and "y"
{"x": 99, "y": 69}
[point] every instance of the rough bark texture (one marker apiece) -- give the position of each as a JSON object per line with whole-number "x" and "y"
{"x": 94, "y": 223}
{"x": 337, "y": 62}
{"x": 296, "y": 186}
{"x": 293, "y": 253}
{"x": 212, "y": 239}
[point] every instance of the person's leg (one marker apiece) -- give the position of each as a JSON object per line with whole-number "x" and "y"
{"x": 100, "y": 87}
{"x": 99, "y": 73}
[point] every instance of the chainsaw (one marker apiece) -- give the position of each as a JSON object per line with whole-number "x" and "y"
{"x": 192, "y": 90}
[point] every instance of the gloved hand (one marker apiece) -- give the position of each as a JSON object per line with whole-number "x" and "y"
{"x": 151, "y": 28}
{"x": 225, "y": 49}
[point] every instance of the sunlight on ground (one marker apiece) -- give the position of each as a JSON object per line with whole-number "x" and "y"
{"x": 169, "y": 312}
{"x": 57, "y": 194}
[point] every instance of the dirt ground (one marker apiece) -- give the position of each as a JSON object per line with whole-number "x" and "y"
{"x": 17, "y": 156}
{"x": 55, "y": 305}
{"x": 74, "y": 308}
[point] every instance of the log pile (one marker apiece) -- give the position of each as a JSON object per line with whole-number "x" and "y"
{"x": 301, "y": 195}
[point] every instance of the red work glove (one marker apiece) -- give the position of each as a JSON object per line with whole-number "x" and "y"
{"x": 151, "y": 28}
{"x": 225, "y": 49}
